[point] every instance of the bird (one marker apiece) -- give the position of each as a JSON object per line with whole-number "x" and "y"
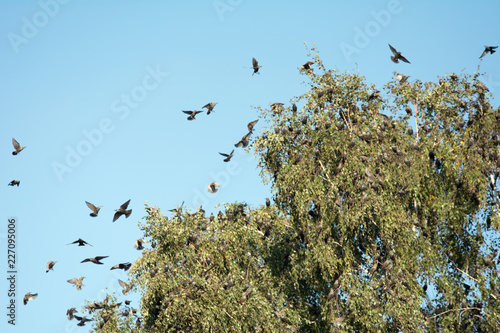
{"x": 397, "y": 56}
{"x": 139, "y": 242}
{"x": 50, "y": 264}
{"x": 95, "y": 210}
{"x": 95, "y": 260}
{"x": 17, "y": 147}
{"x": 402, "y": 78}
{"x": 82, "y": 320}
{"x": 251, "y": 125}
{"x": 177, "y": 211}
{"x": 244, "y": 141}
{"x": 268, "y": 202}
{"x": 192, "y": 114}
{"x": 126, "y": 286}
{"x": 122, "y": 210}
{"x": 212, "y": 187}
{"x": 374, "y": 95}
{"x": 14, "y": 182}
{"x": 29, "y": 297}
{"x": 70, "y": 313}
{"x": 490, "y": 49}
{"x": 276, "y": 106}
{"x": 77, "y": 282}
{"x": 307, "y": 65}
{"x": 209, "y": 107}
{"x": 80, "y": 242}
{"x": 124, "y": 266}
{"x": 228, "y": 156}
{"x": 255, "y": 66}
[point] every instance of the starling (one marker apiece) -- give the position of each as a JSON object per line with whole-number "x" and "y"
{"x": 268, "y": 202}
{"x": 126, "y": 287}
{"x": 212, "y": 187}
{"x": 50, "y": 264}
{"x": 490, "y": 49}
{"x": 251, "y": 125}
{"x": 294, "y": 108}
{"x": 122, "y": 210}
{"x": 374, "y": 95}
{"x": 454, "y": 77}
{"x": 95, "y": 210}
{"x": 17, "y": 147}
{"x": 177, "y": 211}
{"x": 228, "y": 156}
{"x": 276, "y": 107}
{"x": 307, "y": 65}
{"x": 70, "y": 313}
{"x": 209, "y": 107}
{"x": 402, "y": 78}
{"x": 397, "y": 56}
{"x": 80, "y": 242}
{"x": 14, "y": 182}
{"x": 82, "y": 320}
{"x": 95, "y": 260}
{"x": 124, "y": 266}
{"x": 139, "y": 242}
{"x": 408, "y": 110}
{"x": 29, "y": 297}
{"x": 192, "y": 114}
{"x": 255, "y": 66}
{"x": 77, "y": 282}
{"x": 244, "y": 141}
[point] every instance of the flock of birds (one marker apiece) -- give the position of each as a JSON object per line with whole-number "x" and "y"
{"x": 212, "y": 188}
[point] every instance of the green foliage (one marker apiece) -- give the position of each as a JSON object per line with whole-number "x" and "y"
{"x": 376, "y": 200}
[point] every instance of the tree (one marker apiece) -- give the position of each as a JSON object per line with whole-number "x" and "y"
{"x": 379, "y": 198}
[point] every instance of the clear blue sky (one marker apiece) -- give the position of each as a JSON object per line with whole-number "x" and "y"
{"x": 68, "y": 69}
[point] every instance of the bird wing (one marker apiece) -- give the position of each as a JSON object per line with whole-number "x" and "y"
{"x": 187, "y": 112}
{"x": 196, "y": 112}
{"x": 404, "y": 59}
{"x": 73, "y": 281}
{"x": 254, "y": 62}
{"x": 123, "y": 284}
{"x": 15, "y": 144}
{"x": 99, "y": 258}
{"x": 91, "y": 206}
{"x": 207, "y": 106}
{"x": 117, "y": 215}
{"x": 224, "y": 154}
{"x": 125, "y": 205}
{"x": 85, "y": 260}
{"x": 393, "y": 49}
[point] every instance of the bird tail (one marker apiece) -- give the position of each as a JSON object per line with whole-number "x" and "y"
{"x": 128, "y": 212}
{"x": 492, "y": 51}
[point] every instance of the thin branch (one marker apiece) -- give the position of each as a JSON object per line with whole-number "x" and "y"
{"x": 258, "y": 231}
{"x": 462, "y": 310}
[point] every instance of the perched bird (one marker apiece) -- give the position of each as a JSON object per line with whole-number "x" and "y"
{"x": 268, "y": 202}
{"x": 82, "y": 320}
{"x": 29, "y": 297}
{"x": 50, "y": 265}
{"x": 126, "y": 286}
{"x": 294, "y": 108}
{"x": 77, "y": 282}
{"x": 244, "y": 141}
{"x": 80, "y": 242}
{"x": 192, "y": 114}
{"x": 251, "y": 125}
{"x": 14, "y": 182}
{"x": 397, "y": 56}
{"x": 95, "y": 260}
{"x": 139, "y": 242}
{"x": 17, "y": 147}
{"x": 228, "y": 156}
{"x": 70, "y": 313}
{"x": 212, "y": 187}
{"x": 255, "y": 66}
{"x": 402, "y": 78}
{"x": 490, "y": 49}
{"x": 307, "y": 65}
{"x": 95, "y": 210}
{"x": 374, "y": 95}
{"x": 124, "y": 266}
{"x": 122, "y": 210}
{"x": 177, "y": 211}
{"x": 276, "y": 106}
{"x": 209, "y": 107}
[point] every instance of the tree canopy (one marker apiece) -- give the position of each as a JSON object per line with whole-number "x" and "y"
{"x": 379, "y": 198}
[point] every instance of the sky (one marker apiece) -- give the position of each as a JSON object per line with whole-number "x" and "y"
{"x": 95, "y": 90}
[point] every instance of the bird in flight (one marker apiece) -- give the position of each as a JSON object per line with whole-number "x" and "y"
{"x": 209, "y": 107}
{"x": 17, "y": 147}
{"x": 307, "y": 65}
{"x": 251, "y": 125}
{"x": 95, "y": 210}
{"x": 14, "y": 182}
{"x": 50, "y": 265}
{"x": 192, "y": 114}
{"x": 77, "y": 283}
{"x": 255, "y": 66}
{"x": 213, "y": 187}
{"x": 244, "y": 141}
{"x": 374, "y": 95}
{"x": 177, "y": 211}
{"x": 397, "y": 56}
{"x": 124, "y": 266}
{"x": 139, "y": 242}
{"x": 228, "y": 156}
{"x": 80, "y": 242}
{"x": 126, "y": 286}
{"x": 70, "y": 313}
{"x": 95, "y": 260}
{"x": 122, "y": 210}
{"x": 402, "y": 78}
{"x": 82, "y": 320}
{"x": 29, "y": 297}
{"x": 490, "y": 49}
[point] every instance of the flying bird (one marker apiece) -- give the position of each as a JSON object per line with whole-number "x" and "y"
{"x": 122, "y": 210}
{"x": 80, "y": 242}
{"x": 124, "y": 266}
{"x": 251, "y": 125}
{"x": 95, "y": 210}
{"x": 82, "y": 320}
{"x": 14, "y": 182}
{"x": 213, "y": 187}
{"x": 29, "y": 297}
{"x": 77, "y": 283}
{"x": 177, "y": 211}
{"x": 490, "y": 49}
{"x": 209, "y": 107}
{"x": 397, "y": 56}
{"x": 17, "y": 147}
{"x": 255, "y": 66}
{"x": 50, "y": 265}
{"x": 139, "y": 242}
{"x": 276, "y": 106}
{"x": 126, "y": 286}
{"x": 95, "y": 260}
{"x": 70, "y": 313}
{"x": 374, "y": 95}
{"x": 244, "y": 141}
{"x": 307, "y": 65}
{"x": 402, "y": 78}
{"x": 192, "y": 114}
{"x": 228, "y": 156}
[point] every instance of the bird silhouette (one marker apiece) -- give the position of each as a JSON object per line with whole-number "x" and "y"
{"x": 50, "y": 265}
{"x": 95, "y": 260}
{"x": 14, "y": 182}
{"x": 268, "y": 202}
{"x": 29, "y": 297}
{"x": 139, "y": 242}
{"x": 177, "y": 211}
{"x": 209, "y": 107}
{"x": 255, "y": 66}
{"x": 192, "y": 114}
{"x": 77, "y": 283}
{"x": 374, "y": 95}
{"x": 307, "y": 65}
{"x": 124, "y": 266}
{"x": 122, "y": 210}
{"x": 244, "y": 141}
{"x": 213, "y": 187}
{"x": 490, "y": 49}
{"x": 251, "y": 125}
{"x": 80, "y": 242}
{"x": 82, "y": 320}
{"x": 397, "y": 56}
{"x": 402, "y": 78}
{"x": 70, "y": 313}
{"x": 95, "y": 210}
{"x": 126, "y": 286}
{"x": 228, "y": 156}
{"x": 17, "y": 147}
